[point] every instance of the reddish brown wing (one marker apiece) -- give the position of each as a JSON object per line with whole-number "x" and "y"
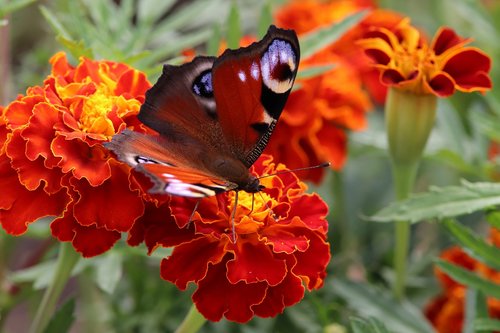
{"x": 167, "y": 165}
{"x": 180, "y": 106}
{"x": 251, "y": 86}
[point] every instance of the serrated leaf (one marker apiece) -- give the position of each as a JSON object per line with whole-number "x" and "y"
{"x": 470, "y": 279}
{"x": 233, "y": 34}
{"x": 151, "y": 10}
{"x": 475, "y": 246}
{"x": 77, "y": 49}
{"x": 63, "y": 319}
{"x": 442, "y": 202}
{"x": 486, "y": 324}
{"x": 109, "y": 272}
{"x": 320, "y": 38}
{"x": 371, "y": 301}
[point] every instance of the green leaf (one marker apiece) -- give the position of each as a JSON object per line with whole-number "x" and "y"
{"x": 320, "y": 38}
{"x": 63, "y": 319}
{"x": 11, "y": 6}
{"x": 233, "y": 27}
{"x": 109, "y": 271}
{"x": 493, "y": 219}
{"x": 470, "y": 279}
{"x": 265, "y": 19}
{"x": 442, "y": 202}
{"x": 486, "y": 324}
{"x": 370, "y": 325}
{"x": 313, "y": 71}
{"x": 474, "y": 244}
{"x": 77, "y": 49}
{"x": 151, "y": 10}
{"x": 371, "y": 301}
{"x": 214, "y": 41}
{"x": 54, "y": 22}
{"x": 475, "y": 307}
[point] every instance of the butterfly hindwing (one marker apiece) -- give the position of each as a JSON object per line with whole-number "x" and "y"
{"x": 164, "y": 164}
{"x": 251, "y": 86}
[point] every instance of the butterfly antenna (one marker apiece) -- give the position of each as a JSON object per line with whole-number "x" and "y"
{"x": 192, "y": 214}
{"x": 233, "y": 214}
{"x": 253, "y": 201}
{"x": 322, "y": 165}
{"x": 267, "y": 206}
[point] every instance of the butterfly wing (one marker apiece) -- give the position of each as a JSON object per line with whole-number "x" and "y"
{"x": 251, "y": 86}
{"x": 166, "y": 165}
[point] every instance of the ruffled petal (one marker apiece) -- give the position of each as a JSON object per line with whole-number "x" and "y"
{"x": 469, "y": 68}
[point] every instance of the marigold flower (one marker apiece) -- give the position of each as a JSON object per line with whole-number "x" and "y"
{"x": 407, "y": 62}
{"x": 446, "y": 311}
{"x": 53, "y": 163}
{"x": 266, "y": 268}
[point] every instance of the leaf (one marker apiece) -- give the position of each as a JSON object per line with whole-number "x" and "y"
{"x": 313, "y": 71}
{"x": 63, "y": 319}
{"x": 475, "y": 306}
{"x": 55, "y": 23}
{"x": 11, "y": 6}
{"x": 214, "y": 41}
{"x": 441, "y": 202}
{"x": 233, "y": 27}
{"x": 469, "y": 279}
{"x": 265, "y": 19}
{"x": 371, "y": 301}
{"x": 151, "y": 10}
{"x": 320, "y": 38}
{"x": 109, "y": 272}
{"x": 493, "y": 219}
{"x": 370, "y": 325}
{"x": 486, "y": 324}
{"x": 77, "y": 49}
{"x": 475, "y": 245}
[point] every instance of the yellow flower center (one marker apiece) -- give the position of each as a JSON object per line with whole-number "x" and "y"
{"x": 251, "y": 211}
{"x": 94, "y": 117}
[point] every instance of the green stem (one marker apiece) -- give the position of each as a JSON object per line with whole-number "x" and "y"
{"x": 4, "y": 59}
{"x": 339, "y": 215}
{"x": 404, "y": 178}
{"x": 65, "y": 263}
{"x": 192, "y": 322}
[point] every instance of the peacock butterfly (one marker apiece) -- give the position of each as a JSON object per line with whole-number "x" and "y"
{"x": 214, "y": 116}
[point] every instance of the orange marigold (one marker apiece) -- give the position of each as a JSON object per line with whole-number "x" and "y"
{"x": 52, "y": 161}
{"x": 408, "y": 62}
{"x": 263, "y": 267}
{"x": 446, "y": 312}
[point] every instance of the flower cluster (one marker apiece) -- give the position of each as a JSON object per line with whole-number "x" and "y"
{"x": 263, "y": 266}
{"x": 446, "y": 311}
{"x": 52, "y": 162}
{"x": 335, "y": 100}
{"x": 408, "y": 62}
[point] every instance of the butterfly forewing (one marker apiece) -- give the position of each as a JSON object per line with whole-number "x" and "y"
{"x": 214, "y": 117}
{"x": 260, "y": 78}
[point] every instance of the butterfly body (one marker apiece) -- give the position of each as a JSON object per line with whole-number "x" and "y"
{"x": 214, "y": 117}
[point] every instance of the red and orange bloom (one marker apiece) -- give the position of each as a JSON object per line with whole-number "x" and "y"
{"x": 263, "y": 267}
{"x": 446, "y": 312}
{"x": 409, "y": 63}
{"x": 53, "y": 163}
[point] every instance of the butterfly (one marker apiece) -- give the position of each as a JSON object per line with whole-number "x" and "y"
{"x": 214, "y": 116}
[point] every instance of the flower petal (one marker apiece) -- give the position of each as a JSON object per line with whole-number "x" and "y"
{"x": 442, "y": 85}
{"x": 445, "y": 39}
{"x": 255, "y": 263}
{"x": 469, "y": 69}
{"x": 216, "y": 297}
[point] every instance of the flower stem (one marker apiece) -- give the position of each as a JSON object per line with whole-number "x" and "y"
{"x": 4, "y": 59}
{"x": 192, "y": 322}
{"x": 404, "y": 178}
{"x": 409, "y": 121}
{"x": 65, "y": 263}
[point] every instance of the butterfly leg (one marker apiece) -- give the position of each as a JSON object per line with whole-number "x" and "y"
{"x": 233, "y": 214}
{"x": 253, "y": 201}
{"x": 269, "y": 208}
{"x": 192, "y": 214}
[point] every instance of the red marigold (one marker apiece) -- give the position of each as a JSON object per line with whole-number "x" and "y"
{"x": 407, "y": 62}
{"x": 53, "y": 162}
{"x": 264, "y": 270}
{"x": 446, "y": 312}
